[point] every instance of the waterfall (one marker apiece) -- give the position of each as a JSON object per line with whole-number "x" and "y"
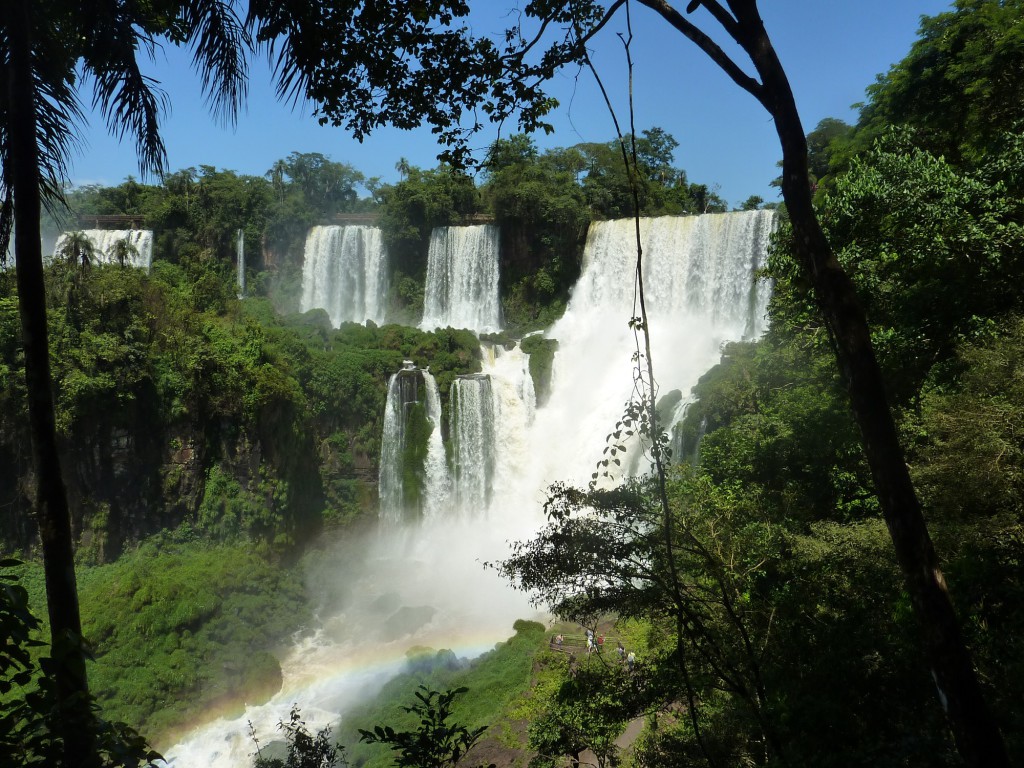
{"x": 345, "y": 272}
{"x": 472, "y": 438}
{"x": 514, "y": 406}
{"x": 701, "y": 286}
{"x": 437, "y": 488}
{"x": 138, "y": 246}
{"x": 462, "y": 279}
{"x": 504, "y": 452}
{"x": 413, "y": 479}
{"x": 240, "y": 247}
{"x": 397, "y": 477}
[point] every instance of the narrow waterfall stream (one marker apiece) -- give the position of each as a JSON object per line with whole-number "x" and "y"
{"x": 421, "y": 583}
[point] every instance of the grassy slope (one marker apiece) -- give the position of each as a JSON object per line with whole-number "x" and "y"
{"x": 499, "y": 684}
{"x": 179, "y": 629}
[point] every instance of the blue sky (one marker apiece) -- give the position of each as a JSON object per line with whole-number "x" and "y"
{"x": 831, "y": 49}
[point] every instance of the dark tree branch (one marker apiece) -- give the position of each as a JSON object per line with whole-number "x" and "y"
{"x": 709, "y": 46}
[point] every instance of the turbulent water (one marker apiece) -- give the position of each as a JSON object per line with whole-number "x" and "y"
{"x": 462, "y": 279}
{"x": 700, "y": 286}
{"x": 345, "y": 272}
{"x": 422, "y": 584}
{"x": 139, "y": 253}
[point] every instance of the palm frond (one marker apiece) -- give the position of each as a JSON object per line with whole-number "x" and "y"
{"x": 57, "y": 109}
{"x": 219, "y": 42}
{"x": 129, "y": 101}
{"x": 273, "y": 27}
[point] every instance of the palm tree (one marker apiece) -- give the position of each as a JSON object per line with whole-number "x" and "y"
{"x": 277, "y": 174}
{"x": 42, "y": 43}
{"x": 123, "y": 252}
{"x": 76, "y": 249}
{"x": 403, "y": 168}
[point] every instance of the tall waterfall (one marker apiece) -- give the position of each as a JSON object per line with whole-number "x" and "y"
{"x": 412, "y": 476}
{"x": 345, "y": 272}
{"x": 462, "y": 279}
{"x": 422, "y": 584}
{"x": 472, "y": 439}
{"x": 701, "y": 286}
{"x": 139, "y": 252}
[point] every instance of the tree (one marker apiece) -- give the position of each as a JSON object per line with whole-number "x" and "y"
{"x": 961, "y": 85}
{"x": 974, "y": 728}
{"x": 28, "y": 704}
{"x": 588, "y": 711}
{"x": 436, "y": 743}
{"x": 604, "y": 552}
{"x": 77, "y": 250}
{"x": 41, "y": 45}
{"x": 327, "y": 187}
{"x": 305, "y": 750}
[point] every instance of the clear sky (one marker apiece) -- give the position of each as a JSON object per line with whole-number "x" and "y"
{"x": 831, "y": 49}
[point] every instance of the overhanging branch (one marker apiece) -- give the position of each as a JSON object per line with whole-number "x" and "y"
{"x": 709, "y": 46}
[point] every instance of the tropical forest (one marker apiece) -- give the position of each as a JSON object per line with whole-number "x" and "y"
{"x": 546, "y": 455}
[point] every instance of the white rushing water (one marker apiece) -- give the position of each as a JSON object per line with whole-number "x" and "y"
{"x": 701, "y": 291}
{"x": 139, "y": 252}
{"x": 240, "y": 254}
{"x": 345, "y": 271}
{"x": 471, "y": 433}
{"x": 462, "y": 279}
{"x": 412, "y": 399}
{"x": 423, "y": 584}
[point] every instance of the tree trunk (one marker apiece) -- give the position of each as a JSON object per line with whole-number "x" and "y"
{"x": 51, "y": 502}
{"x": 977, "y": 737}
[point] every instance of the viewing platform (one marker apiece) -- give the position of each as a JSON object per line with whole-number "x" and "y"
{"x": 120, "y": 221}
{"x": 370, "y": 218}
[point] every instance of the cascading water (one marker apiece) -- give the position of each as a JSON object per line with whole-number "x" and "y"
{"x": 413, "y": 481}
{"x": 345, "y": 272}
{"x": 471, "y": 435}
{"x": 240, "y": 248}
{"x": 138, "y": 253}
{"x": 462, "y": 279}
{"x": 701, "y": 291}
{"x": 437, "y": 484}
{"x": 422, "y": 584}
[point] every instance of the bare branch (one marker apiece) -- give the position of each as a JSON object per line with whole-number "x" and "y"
{"x": 709, "y": 46}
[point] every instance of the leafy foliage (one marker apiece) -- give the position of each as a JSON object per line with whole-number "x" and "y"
{"x": 304, "y": 749}
{"x": 29, "y": 708}
{"x": 436, "y": 743}
{"x": 256, "y": 426}
{"x": 960, "y": 85}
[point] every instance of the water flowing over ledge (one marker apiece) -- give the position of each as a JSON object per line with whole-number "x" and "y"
{"x": 462, "y": 279}
{"x": 139, "y": 253}
{"x": 345, "y": 271}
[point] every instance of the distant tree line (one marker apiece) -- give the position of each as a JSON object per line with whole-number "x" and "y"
{"x": 543, "y": 202}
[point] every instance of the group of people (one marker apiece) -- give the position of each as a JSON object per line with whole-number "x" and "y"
{"x": 597, "y": 643}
